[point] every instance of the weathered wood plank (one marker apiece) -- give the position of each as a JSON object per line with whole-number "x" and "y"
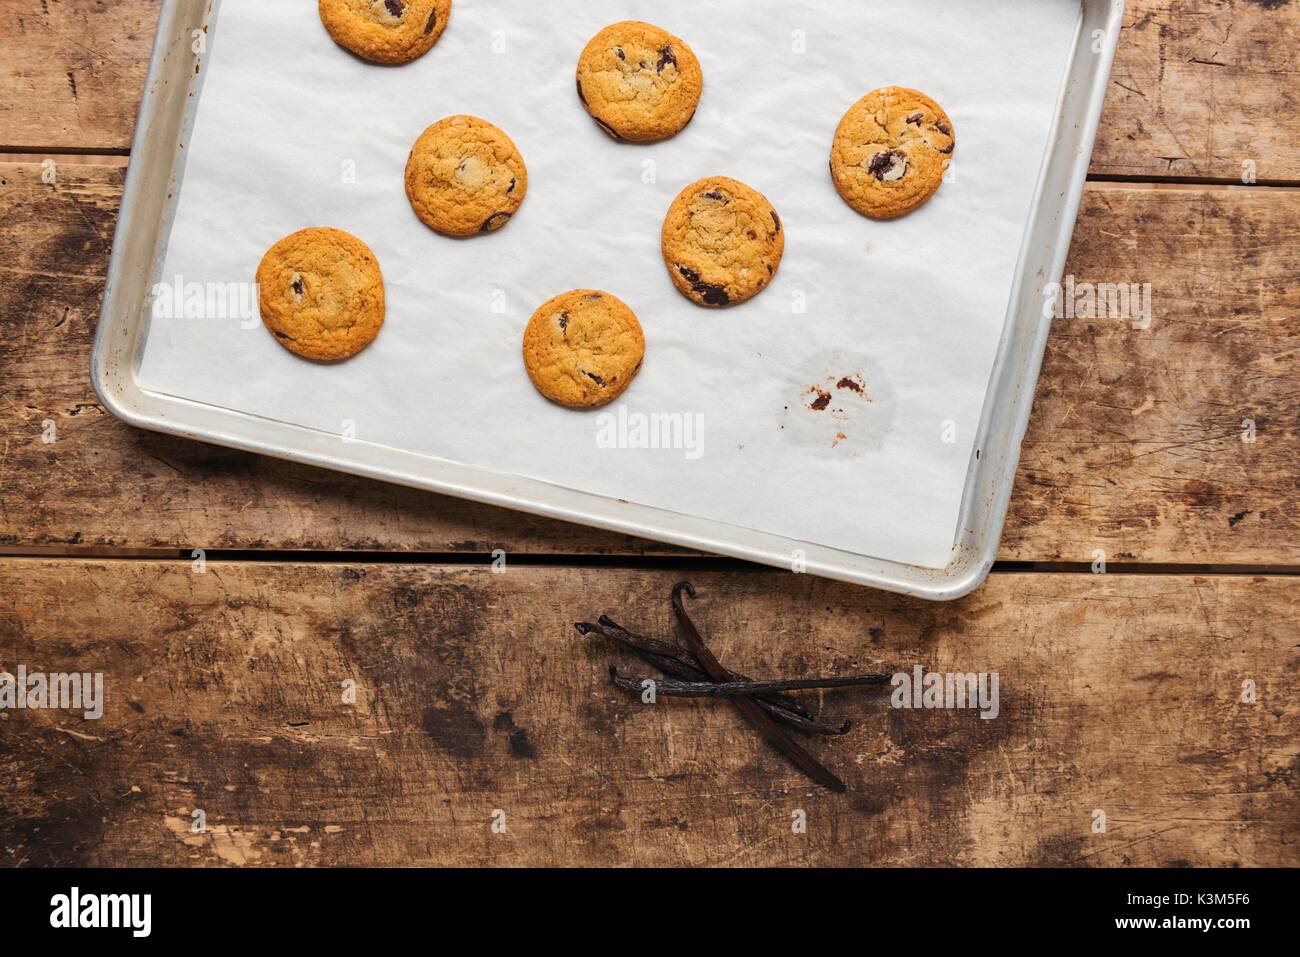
{"x": 1199, "y": 86}
{"x": 223, "y": 693}
{"x": 1175, "y": 443}
{"x": 72, "y": 72}
{"x": 1134, "y": 446}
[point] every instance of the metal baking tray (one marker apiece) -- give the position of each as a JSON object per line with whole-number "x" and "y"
{"x": 152, "y": 188}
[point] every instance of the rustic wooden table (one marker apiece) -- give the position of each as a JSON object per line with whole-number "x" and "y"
{"x": 1121, "y": 692}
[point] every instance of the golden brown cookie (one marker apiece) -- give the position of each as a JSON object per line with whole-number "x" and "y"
{"x": 639, "y": 82}
{"x": 722, "y": 242}
{"x": 465, "y": 176}
{"x": 583, "y": 348}
{"x": 386, "y": 31}
{"x": 891, "y": 152}
{"x": 321, "y": 294}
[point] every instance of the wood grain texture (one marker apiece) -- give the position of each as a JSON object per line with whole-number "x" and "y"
{"x": 1134, "y": 448}
{"x": 1199, "y": 86}
{"x": 72, "y": 72}
{"x": 1202, "y": 86}
{"x": 223, "y": 693}
{"x": 1137, "y": 442}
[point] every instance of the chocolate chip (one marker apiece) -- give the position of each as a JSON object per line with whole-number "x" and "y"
{"x": 495, "y": 222}
{"x": 299, "y": 289}
{"x": 618, "y": 52}
{"x": 564, "y": 323}
{"x": 395, "y": 7}
{"x": 433, "y": 22}
{"x": 948, "y": 149}
{"x": 888, "y": 166}
{"x": 593, "y": 297}
{"x": 594, "y": 378}
{"x": 711, "y": 295}
{"x": 776, "y": 219}
{"x": 751, "y": 234}
{"x": 607, "y": 128}
{"x": 943, "y": 128}
{"x": 915, "y": 118}
{"x": 513, "y": 183}
{"x": 714, "y": 195}
{"x": 666, "y": 57}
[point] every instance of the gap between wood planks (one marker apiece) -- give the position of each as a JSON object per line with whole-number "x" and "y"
{"x": 65, "y": 154}
{"x": 577, "y": 560}
{"x": 1189, "y": 182}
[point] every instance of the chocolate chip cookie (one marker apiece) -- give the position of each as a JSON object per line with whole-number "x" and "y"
{"x": 639, "y": 82}
{"x": 583, "y": 348}
{"x": 321, "y": 294}
{"x": 465, "y": 177}
{"x": 891, "y": 152}
{"x": 386, "y": 31}
{"x": 722, "y": 242}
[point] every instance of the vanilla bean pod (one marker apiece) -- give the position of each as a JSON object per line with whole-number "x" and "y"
{"x": 650, "y": 644}
{"x": 800, "y": 723}
{"x": 690, "y": 661}
{"x": 746, "y": 689}
{"x": 779, "y": 714}
{"x": 768, "y": 728}
{"x": 796, "y": 721}
{"x": 671, "y": 666}
{"x": 800, "y": 720}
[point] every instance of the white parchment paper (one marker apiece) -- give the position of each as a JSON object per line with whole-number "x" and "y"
{"x": 912, "y": 309}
